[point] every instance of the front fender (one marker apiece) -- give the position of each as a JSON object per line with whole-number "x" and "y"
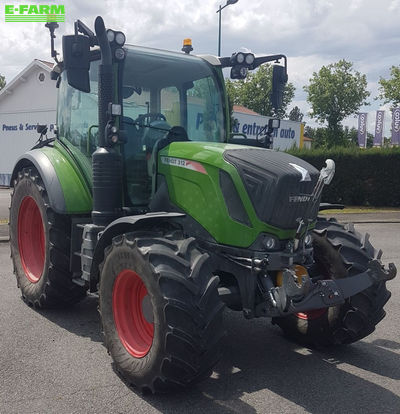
{"x": 120, "y": 226}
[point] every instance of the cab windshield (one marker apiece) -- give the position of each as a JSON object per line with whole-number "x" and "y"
{"x": 163, "y": 89}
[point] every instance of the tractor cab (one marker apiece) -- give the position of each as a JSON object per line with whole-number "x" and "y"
{"x": 166, "y": 97}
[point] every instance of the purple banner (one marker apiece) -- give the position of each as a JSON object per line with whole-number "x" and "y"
{"x": 396, "y": 127}
{"x": 378, "y": 139}
{"x": 362, "y": 129}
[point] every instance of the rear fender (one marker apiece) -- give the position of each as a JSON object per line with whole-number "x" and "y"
{"x": 65, "y": 186}
{"x": 48, "y": 175}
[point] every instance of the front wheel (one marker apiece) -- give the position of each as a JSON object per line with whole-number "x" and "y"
{"x": 161, "y": 314}
{"x": 339, "y": 252}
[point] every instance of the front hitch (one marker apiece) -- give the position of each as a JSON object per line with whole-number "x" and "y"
{"x": 294, "y": 297}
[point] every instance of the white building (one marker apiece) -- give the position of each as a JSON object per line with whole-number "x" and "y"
{"x": 249, "y": 123}
{"x": 28, "y": 100}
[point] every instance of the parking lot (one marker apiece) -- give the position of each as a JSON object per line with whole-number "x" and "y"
{"x": 55, "y": 362}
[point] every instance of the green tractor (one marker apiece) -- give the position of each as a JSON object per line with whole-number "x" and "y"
{"x": 144, "y": 197}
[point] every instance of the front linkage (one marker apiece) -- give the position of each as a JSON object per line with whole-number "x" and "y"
{"x": 294, "y": 296}
{"x": 295, "y": 293}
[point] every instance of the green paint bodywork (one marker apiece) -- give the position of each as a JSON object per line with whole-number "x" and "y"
{"x": 200, "y": 195}
{"x": 78, "y": 199}
{"x": 196, "y": 193}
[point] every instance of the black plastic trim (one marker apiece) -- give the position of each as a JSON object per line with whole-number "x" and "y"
{"x": 232, "y": 199}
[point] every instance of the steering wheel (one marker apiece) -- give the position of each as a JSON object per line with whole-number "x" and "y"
{"x": 151, "y": 116}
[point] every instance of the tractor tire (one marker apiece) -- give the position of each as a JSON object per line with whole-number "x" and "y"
{"x": 339, "y": 252}
{"x": 160, "y": 309}
{"x": 40, "y": 246}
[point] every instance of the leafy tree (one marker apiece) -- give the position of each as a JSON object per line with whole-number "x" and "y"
{"x": 389, "y": 89}
{"x": 254, "y": 92}
{"x": 336, "y": 92}
{"x": 350, "y": 136}
{"x": 2, "y": 82}
{"x": 295, "y": 114}
{"x": 309, "y": 131}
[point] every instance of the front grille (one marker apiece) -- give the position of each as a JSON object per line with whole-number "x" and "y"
{"x": 273, "y": 185}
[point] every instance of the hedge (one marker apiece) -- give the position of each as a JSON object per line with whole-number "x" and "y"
{"x": 364, "y": 177}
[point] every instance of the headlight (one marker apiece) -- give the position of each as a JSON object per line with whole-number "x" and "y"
{"x": 110, "y": 35}
{"x": 243, "y": 72}
{"x": 270, "y": 243}
{"x": 119, "y": 53}
{"x": 249, "y": 59}
{"x": 240, "y": 58}
{"x": 120, "y": 38}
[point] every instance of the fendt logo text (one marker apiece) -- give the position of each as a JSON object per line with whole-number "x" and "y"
{"x": 34, "y": 13}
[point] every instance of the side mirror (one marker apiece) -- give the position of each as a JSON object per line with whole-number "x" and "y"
{"x": 279, "y": 79}
{"x": 274, "y": 123}
{"x": 76, "y": 53}
{"x": 41, "y": 129}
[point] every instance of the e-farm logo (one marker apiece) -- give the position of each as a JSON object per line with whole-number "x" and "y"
{"x": 35, "y": 13}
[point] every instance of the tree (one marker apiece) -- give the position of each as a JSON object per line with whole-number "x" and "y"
{"x": 2, "y": 82}
{"x": 295, "y": 114}
{"x": 390, "y": 88}
{"x": 336, "y": 92}
{"x": 350, "y": 136}
{"x": 254, "y": 92}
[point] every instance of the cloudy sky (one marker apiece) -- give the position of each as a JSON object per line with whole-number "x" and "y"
{"x": 311, "y": 33}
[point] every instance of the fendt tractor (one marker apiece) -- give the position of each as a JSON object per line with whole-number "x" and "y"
{"x": 144, "y": 197}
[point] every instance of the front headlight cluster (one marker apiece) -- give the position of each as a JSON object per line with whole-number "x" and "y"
{"x": 241, "y": 63}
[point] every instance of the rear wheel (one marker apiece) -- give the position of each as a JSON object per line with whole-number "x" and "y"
{"x": 40, "y": 245}
{"x": 161, "y": 313}
{"x": 339, "y": 252}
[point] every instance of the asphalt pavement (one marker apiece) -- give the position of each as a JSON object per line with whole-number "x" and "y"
{"x": 4, "y": 204}
{"x": 55, "y": 362}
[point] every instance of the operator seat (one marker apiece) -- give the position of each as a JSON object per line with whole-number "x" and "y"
{"x": 153, "y": 133}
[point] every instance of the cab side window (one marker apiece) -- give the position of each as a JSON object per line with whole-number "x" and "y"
{"x": 77, "y": 115}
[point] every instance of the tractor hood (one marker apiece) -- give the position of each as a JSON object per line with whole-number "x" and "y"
{"x": 250, "y": 185}
{"x": 278, "y": 184}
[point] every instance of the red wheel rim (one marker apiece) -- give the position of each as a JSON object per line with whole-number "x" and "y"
{"x": 301, "y": 271}
{"x": 312, "y": 314}
{"x": 31, "y": 240}
{"x": 133, "y": 313}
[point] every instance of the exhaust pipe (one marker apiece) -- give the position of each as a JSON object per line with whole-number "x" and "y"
{"x": 106, "y": 161}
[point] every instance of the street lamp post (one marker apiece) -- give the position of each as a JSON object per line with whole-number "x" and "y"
{"x": 229, "y": 2}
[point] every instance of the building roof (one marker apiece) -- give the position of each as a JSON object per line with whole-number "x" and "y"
{"x": 21, "y": 77}
{"x": 244, "y": 110}
{"x": 49, "y": 64}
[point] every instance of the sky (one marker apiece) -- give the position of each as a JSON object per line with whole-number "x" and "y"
{"x": 311, "y": 33}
